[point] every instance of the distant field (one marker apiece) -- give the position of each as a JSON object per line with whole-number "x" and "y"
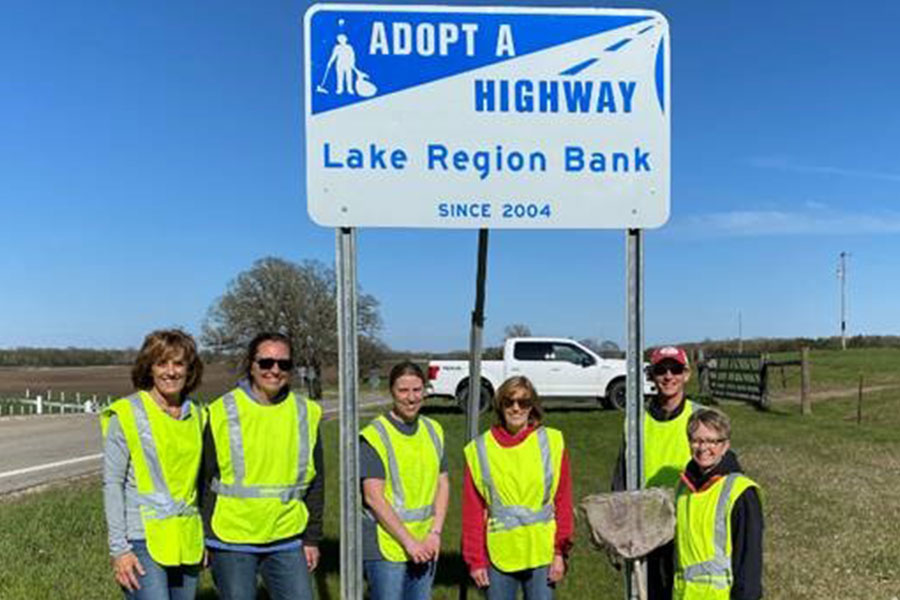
{"x": 103, "y": 381}
{"x": 831, "y": 502}
{"x": 841, "y": 369}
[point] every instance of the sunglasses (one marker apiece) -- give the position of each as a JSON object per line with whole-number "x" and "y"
{"x": 661, "y": 369}
{"x": 285, "y": 364}
{"x": 523, "y": 403}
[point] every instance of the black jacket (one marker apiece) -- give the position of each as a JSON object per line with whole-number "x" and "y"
{"x": 746, "y": 529}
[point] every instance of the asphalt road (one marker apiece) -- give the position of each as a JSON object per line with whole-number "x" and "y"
{"x": 36, "y": 451}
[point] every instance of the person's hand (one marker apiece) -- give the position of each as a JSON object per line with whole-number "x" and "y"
{"x": 432, "y": 543}
{"x": 615, "y": 561}
{"x": 557, "y": 569}
{"x": 417, "y": 551}
{"x": 312, "y": 557}
{"x": 127, "y": 567}
{"x": 206, "y": 557}
{"x": 480, "y": 577}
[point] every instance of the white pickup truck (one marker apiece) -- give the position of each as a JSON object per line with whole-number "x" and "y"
{"x": 558, "y": 368}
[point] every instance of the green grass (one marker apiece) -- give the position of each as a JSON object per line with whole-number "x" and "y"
{"x": 831, "y": 500}
{"x": 836, "y": 369}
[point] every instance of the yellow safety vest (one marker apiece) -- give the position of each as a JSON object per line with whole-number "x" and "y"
{"x": 518, "y": 485}
{"x": 666, "y": 449}
{"x": 265, "y": 458}
{"x": 412, "y": 468}
{"x": 165, "y": 454}
{"x": 703, "y": 538}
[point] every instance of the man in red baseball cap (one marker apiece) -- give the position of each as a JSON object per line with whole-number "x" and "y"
{"x": 665, "y": 450}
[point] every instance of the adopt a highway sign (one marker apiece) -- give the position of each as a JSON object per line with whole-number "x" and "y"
{"x": 500, "y": 117}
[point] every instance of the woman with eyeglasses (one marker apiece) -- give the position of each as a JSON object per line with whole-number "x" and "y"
{"x": 718, "y": 518}
{"x": 517, "y": 500}
{"x": 151, "y": 459}
{"x": 264, "y": 494}
{"x": 665, "y": 450}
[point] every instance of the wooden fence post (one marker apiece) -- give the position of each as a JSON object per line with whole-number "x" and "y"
{"x": 805, "y": 398}
{"x": 859, "y": 401}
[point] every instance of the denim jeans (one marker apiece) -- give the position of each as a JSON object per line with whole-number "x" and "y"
{"x": 532, "y": 582}
{"x": 162, "y": 583}
{"x": 284, "y": 573}
{"x": 399, "y": 580}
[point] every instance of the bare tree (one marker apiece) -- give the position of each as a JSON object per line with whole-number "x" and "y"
{"x": 516, "y": 330}
{"x": 296, "y": 299}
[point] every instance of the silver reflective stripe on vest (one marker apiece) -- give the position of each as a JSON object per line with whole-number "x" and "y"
{"x": 716, "y": 572}
{"x": 160, "y": 503}
{"x": 435, "y": 439}
{"x": 239, "y": 489}
{"x": 505, "y": 516}
{"x": 405, "y": 514}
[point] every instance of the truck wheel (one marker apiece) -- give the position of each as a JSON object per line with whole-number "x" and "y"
{"x": 615, "y": 395}
{"x": 462, "y": 397}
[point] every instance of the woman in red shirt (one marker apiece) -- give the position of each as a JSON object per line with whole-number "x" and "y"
{"x": 517, "y": 500}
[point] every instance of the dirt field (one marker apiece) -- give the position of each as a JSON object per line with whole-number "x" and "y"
{"x": 114, "y": 381}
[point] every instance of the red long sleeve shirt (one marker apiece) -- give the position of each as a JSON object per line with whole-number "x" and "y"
{"x": 474, "y": 508}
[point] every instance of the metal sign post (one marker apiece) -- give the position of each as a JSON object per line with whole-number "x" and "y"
{"x": 475, "y": 340}
{"x": 635, "y": 573}
{"x": 351, "y": 507}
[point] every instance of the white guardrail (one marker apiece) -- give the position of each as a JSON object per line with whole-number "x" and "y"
{"x": 41, "y": 405}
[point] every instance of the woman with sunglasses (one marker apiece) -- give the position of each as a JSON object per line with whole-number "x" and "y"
{"x": 718, "y": 518}
{"x": 517, "y": 500}
{"x": 263, "y": 468}
{"x": 151, "y": 458}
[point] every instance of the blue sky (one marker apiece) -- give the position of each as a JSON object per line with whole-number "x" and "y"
{"x": 152, "y": 151}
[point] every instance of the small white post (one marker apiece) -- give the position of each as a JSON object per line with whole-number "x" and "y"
{"x": 27, "y": 393}
{"x": 40, "y": 404}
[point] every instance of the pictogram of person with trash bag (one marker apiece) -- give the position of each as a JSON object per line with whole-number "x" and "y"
{"x": 347, "y": 77}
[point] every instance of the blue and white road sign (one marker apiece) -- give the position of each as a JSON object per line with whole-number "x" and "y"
{"x": 464, "y": 117}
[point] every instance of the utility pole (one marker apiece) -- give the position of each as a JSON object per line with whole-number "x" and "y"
{"x": 740, "y": 334}
{"x": 842, "y": 275}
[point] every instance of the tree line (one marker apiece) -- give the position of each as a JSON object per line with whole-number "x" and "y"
{"x": 759, "y": 345}
{"x": 65, "y": 357}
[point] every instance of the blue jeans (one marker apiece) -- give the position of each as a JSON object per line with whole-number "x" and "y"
{"x": 285, "y": 574}
{"x": 162, "y": 583}
{"x": 399, "y": 580}
{"x": 533, "y": 583}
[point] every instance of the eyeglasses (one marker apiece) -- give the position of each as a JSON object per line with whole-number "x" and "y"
{"x": 285, "y": 364}
{"x": 661, "y": 369}
{"x": 523, "y": 403}
{"x": 707, "y": 441}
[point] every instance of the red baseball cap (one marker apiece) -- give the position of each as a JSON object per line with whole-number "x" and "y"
{"x": 669, "y": 353}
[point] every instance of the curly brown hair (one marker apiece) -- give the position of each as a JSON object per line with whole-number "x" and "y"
{"x": 505, "y": 391}
{"x": 163, "y": 344}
